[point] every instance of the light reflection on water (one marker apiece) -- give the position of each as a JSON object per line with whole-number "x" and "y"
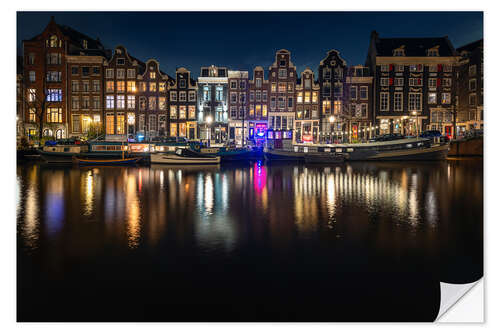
{"x": 222, "y": 208}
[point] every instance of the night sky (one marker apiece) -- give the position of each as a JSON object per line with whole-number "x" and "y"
{"x": 243, "y": 40}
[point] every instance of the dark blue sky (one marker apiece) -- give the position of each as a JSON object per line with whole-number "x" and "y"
{"x": 243, "y": 40}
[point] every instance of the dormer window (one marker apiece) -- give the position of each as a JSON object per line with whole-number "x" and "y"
{"x": 398, "y": 53}
{"x": 85, "y": 44}
{"x": 152, "y": 75}
{"x": 120, "y": 61}
{"x": 433, "y": 53}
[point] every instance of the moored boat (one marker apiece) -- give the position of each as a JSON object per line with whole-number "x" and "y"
{"x": 184, "y": 156}
{"x": 283, "y": 155}
{"x": 61, "y": 154}
{"x": 323, "y": 158}
{"x": 408, "y": 149}
{"x": 233, "y": 155}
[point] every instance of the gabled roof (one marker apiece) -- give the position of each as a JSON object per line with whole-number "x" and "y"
{"x": 79, "y": 37}
{"x": 471, "y": 46}
{"x": 414, "y": 47}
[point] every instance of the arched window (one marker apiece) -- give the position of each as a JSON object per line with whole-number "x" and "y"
{"x": 59, "y": 134}
{"x": 47, "y": 132}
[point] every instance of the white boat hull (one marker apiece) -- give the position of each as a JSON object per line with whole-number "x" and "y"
{"x": 162, "y": 158}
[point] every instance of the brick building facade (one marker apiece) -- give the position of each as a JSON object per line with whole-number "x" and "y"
{"x": 359, "y": 87}
{"x": 307, "y": 108}
{"x": 238, "y": 106}
{"x": 331, "y": 77}
{"x": 46, "y": 76}
{"x": 152, "y": 112}
{"x": 282, "y": 78}
{"x": 414, "y": 84}
{"x": 120, "y": 93}
{"x": 407, "y": 85}
{"x": 182, "y": 102}
{"x": 258, "y": 98}
{"x": 470, "y": 86}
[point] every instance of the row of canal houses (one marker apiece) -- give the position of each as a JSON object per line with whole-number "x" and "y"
{"x": 76, "y": 85}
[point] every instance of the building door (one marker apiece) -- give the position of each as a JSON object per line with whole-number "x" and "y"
{"x": 448, "y": 131}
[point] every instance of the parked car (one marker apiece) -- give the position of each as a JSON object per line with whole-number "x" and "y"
{"x": 386, "y": 137}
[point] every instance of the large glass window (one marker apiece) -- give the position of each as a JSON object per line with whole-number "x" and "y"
{"x": 363, "y": 92}
{"x": 54, "y": 115}
{"x": 162, "y": 103}
{"x": 120, "y": 123}
{"x": 120, "y": 101}
{"x": 54, "y": 95}
{"x": 110, "y": 102}
{"x": 152, "y": 103}
{"x": 130, "y": 102}
{"x": 182, "y": 112}
{"x": 173, "y": 112}
{"x": 398, "y": 101}
{"x": 76, "y": 122}
{"x": 120, "y": 86}
{"x": 432, "y": 98}
{"x": 384, "y": 101}
{"x": 54, "y": 76}
{"x": 415, "y": 102}
{"x": 219, "y": 93}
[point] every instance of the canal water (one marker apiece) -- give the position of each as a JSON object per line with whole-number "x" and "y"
{"x": 247, "y": 242}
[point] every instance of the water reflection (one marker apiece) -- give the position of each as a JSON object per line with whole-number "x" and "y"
{"x": 132, "y": 207}
{"x": 54, "y": 202}
{"x": 222, "y": 209}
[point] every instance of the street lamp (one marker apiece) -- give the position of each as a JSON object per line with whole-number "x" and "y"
{"x": 331, "y": 119}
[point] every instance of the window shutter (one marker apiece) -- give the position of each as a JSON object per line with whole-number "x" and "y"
{"x": 438, "y": 82}
{"x": 391, "y": 80}
{"x": 390, "y": 68}
{"x": 440, "y": 68}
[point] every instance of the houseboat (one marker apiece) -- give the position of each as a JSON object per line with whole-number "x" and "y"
{"x": 408, "y": 149}
{"x": 184, "y": 156}
{"x": 62, "y": 154}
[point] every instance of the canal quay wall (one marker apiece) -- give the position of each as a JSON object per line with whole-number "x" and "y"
{"x": 471, "y": 147}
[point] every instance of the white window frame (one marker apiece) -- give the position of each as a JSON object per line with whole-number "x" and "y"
{"x": 384, "y": 97}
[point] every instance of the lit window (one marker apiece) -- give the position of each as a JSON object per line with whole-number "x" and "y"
{"x": 120, "y": 86}
{"x": 432, "y": 98}
{"x": 110, "y": 102}
{"x": 152, "y": 103}
{"x": 130, "y": 102}
{"x": 445, "y": 98}
{"x": 120, "y": 101}
{"x": 131, "y": 86}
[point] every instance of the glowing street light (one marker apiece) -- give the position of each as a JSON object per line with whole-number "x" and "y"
{"x": 331, "y": 119}
{"x": 209, "y": 120}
